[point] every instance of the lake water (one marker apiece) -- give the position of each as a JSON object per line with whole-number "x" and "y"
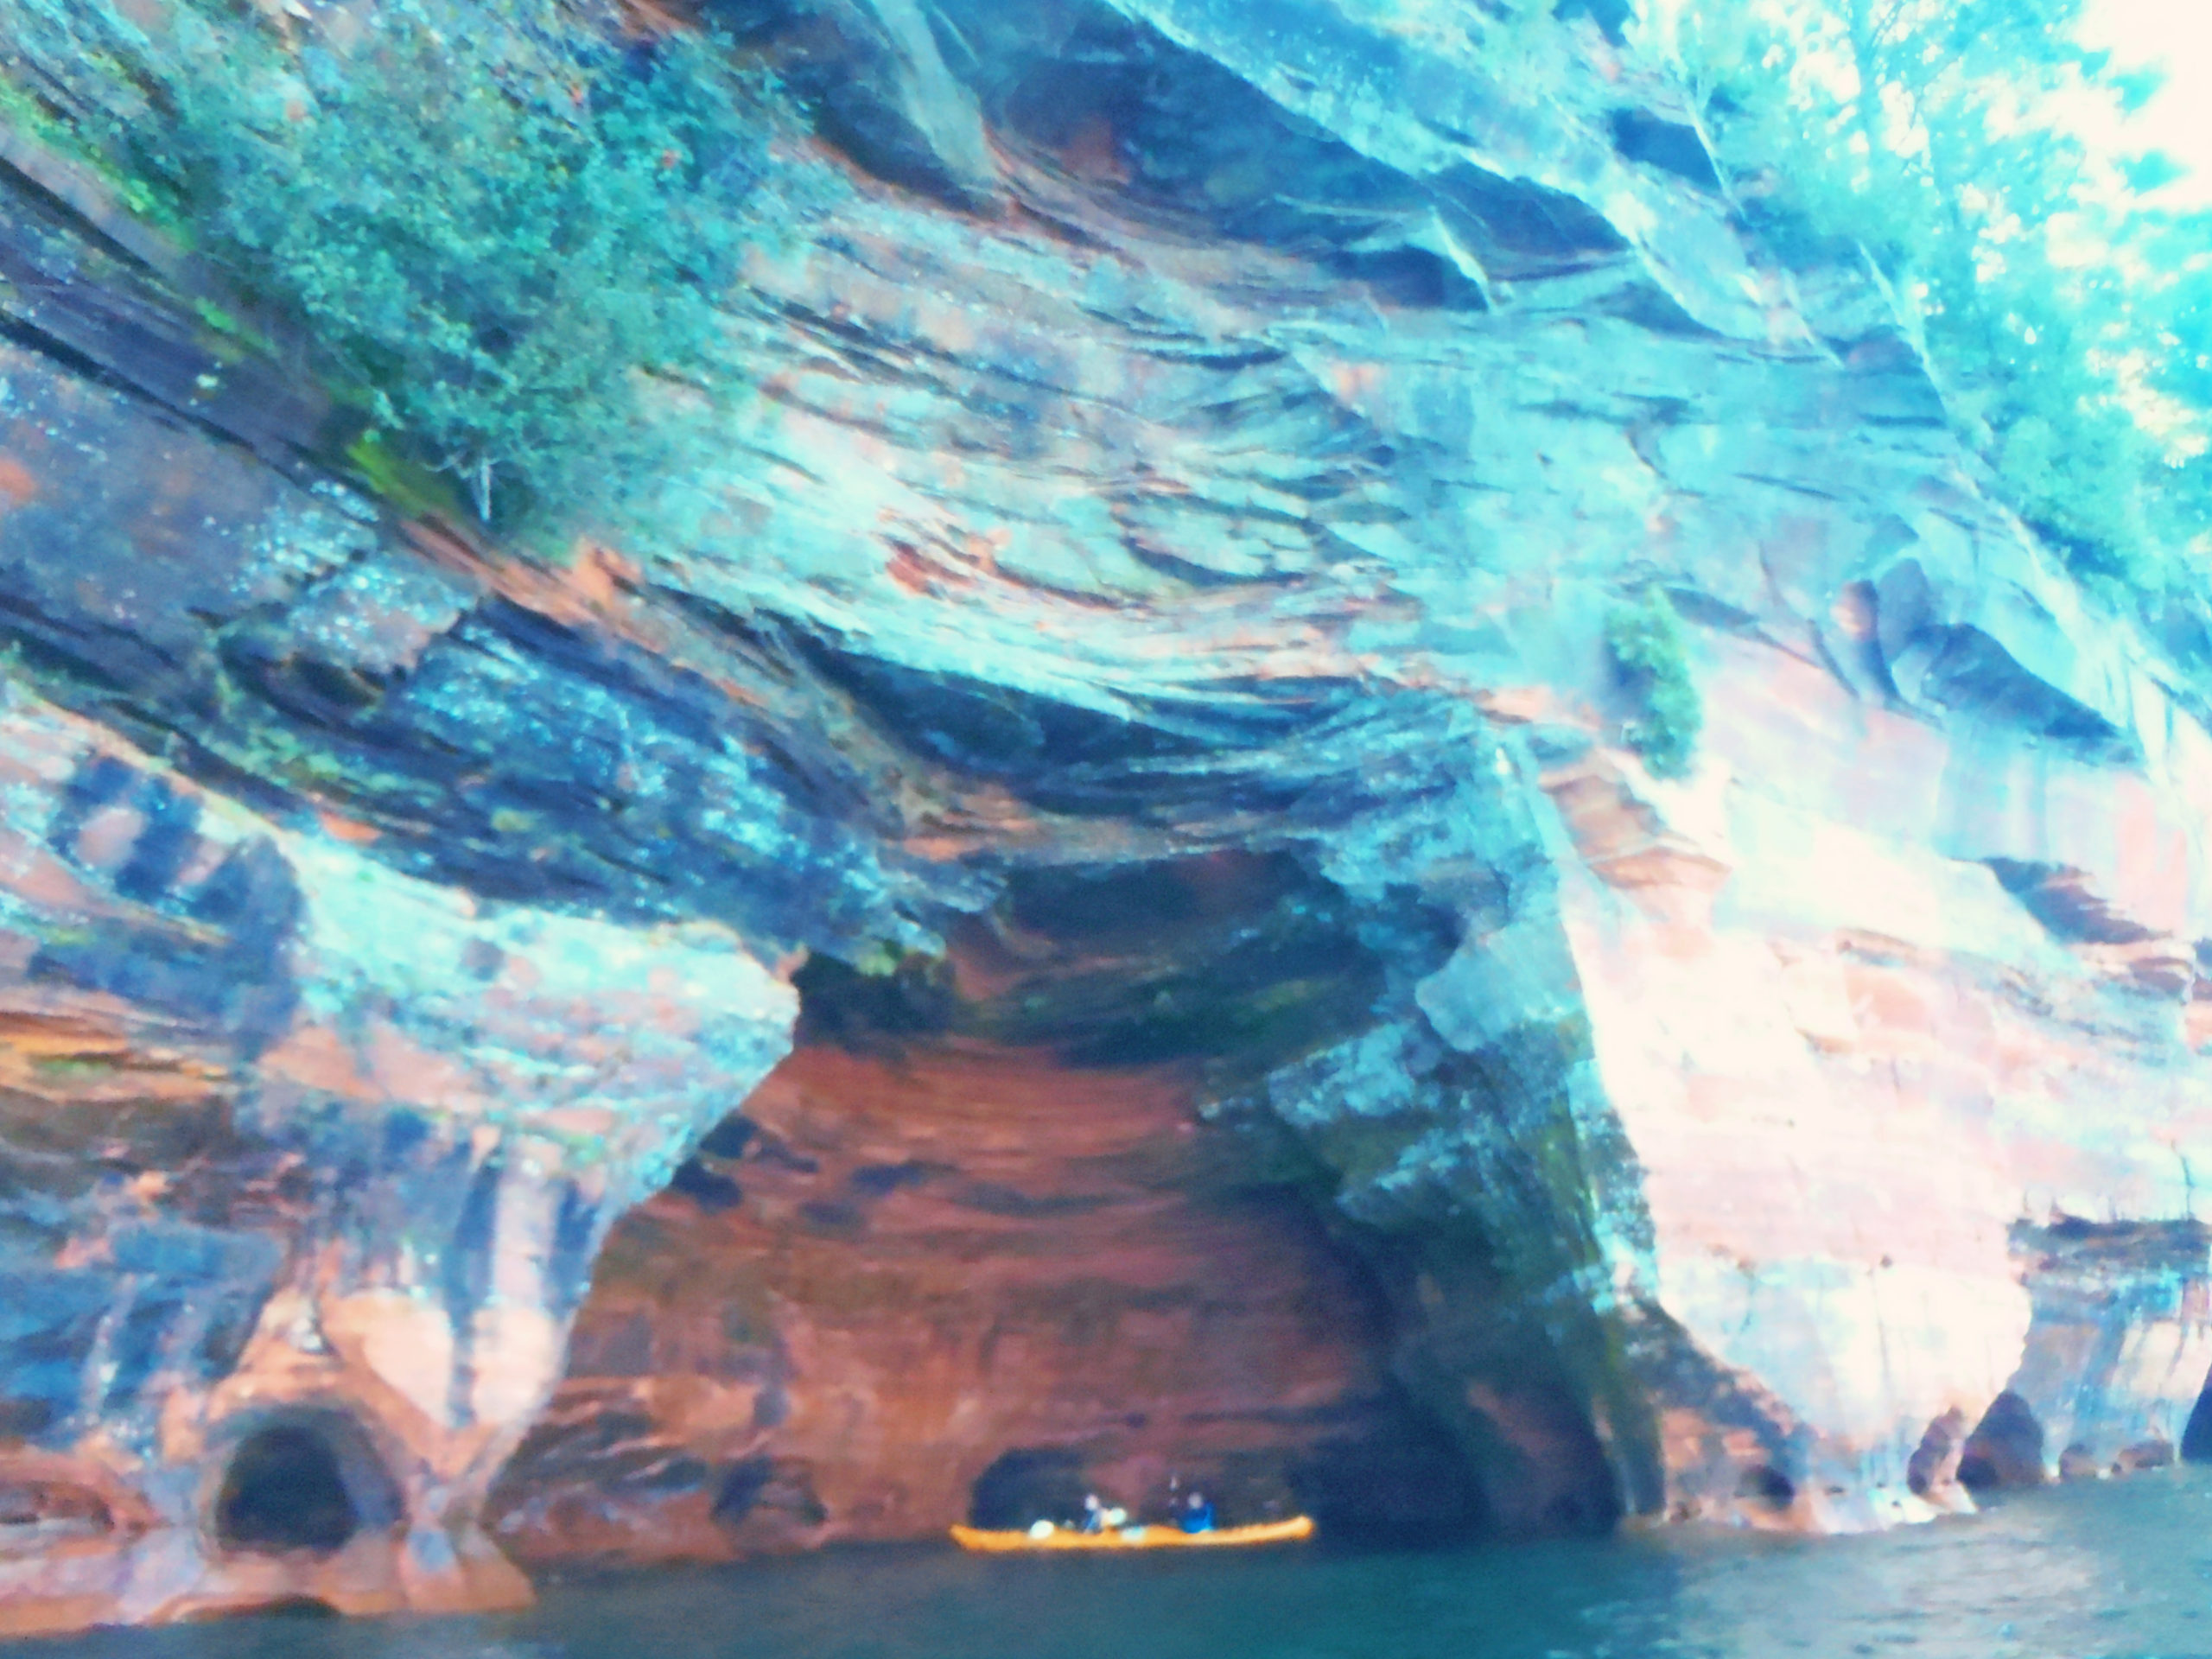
{"x": 2120, "y": 1570}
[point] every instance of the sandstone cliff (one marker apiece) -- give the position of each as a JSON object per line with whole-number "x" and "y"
{"x": 1095, "y": 922}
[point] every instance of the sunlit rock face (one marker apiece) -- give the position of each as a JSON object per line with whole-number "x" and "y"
{"x": 1899, "y": 1021}
{"x": 1130, "y": 684}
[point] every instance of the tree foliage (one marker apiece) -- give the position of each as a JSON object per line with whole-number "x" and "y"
{"x": 2062, "y": 308}
{"x": 492, "y": 218}
{"x": 1651, "y": 656}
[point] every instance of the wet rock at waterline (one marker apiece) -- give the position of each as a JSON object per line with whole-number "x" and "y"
{"x": 1097, "y": 922}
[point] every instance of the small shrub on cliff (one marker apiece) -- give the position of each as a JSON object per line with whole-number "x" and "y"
{"x": 491, "y": 217}
{"x": 1651, "y": 653}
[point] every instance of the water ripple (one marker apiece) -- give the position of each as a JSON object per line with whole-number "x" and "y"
{"x": 2113, "y": 1571}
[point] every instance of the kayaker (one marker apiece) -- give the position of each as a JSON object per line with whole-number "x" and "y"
{"x": 1198, "y": 1514}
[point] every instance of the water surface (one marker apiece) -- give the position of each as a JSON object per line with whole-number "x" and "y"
{"x": 2121, "y": 1570}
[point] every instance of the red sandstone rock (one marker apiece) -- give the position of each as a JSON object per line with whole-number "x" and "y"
{"x": 941, "y": 1257}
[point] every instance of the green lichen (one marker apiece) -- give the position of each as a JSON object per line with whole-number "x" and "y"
{"x": 879, "y": 959}
{"x": 26, "y": 118}
{"x": 1651, "y": 654}
{"x": 398, "y": 477}
{"x": 216, "y": 317}
{"x": 62, "y": 1067}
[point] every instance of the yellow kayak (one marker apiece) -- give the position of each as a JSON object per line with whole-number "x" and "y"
{"x": 1166, "y": 1537}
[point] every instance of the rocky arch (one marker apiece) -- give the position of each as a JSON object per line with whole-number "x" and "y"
{"x": 1934, "y": 1466}
{"x": 302, "y": 1479}
{"x": 1086, "y": 1083}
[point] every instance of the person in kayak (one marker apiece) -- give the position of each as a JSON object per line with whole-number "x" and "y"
{"x": 1198, "y": 1514}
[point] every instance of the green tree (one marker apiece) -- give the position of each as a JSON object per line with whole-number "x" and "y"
{"x": 1650, "y": 655}
{"x": 493, "y": 220}
{"x": 1935, "y": 138}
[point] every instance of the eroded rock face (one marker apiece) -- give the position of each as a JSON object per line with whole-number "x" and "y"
{"x": 1138, "y": 664}
{"x": 307, "y": 1165}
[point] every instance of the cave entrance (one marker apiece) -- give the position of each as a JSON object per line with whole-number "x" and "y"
{"x": 1768, "y": 1487}
{"x": 306, "y": 1481}
{"x": 1187, "y": 1311}
{"x": 2005, "y": 1450}
{"x": 1037, "y": 1482}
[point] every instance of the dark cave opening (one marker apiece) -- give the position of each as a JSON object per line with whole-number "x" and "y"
{"x": 1765, "y": 1484}
{"x": 759, "y": 1486}
{"x": 1404, "y": 1484}
{"x": 307, "y": 1482}
{"x": 1028, "y": 1484}
{"x": 2005, "y": 1449}
{"x": 288, "y": 1609}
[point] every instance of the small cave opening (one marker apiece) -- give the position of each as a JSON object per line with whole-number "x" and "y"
{"x": 1765, "y": 1485}
{"x": 2078, "y": 1462}
{"x": 1026, "y": 1484}
{"x": 761, "y": 1489}
{"x": 298, "y": 1607}
{"x": 2005, "y": 1449}
{"x": 309, "y": 1481}
{"x": 2151, "y": 1453}
{"x": 1406, "y": 1484}
{"x": 311, "y": 1608}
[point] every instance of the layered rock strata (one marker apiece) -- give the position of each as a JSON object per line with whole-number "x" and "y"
{"x": 307, "y": 1165}
{"x": 1138, "y": 664}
